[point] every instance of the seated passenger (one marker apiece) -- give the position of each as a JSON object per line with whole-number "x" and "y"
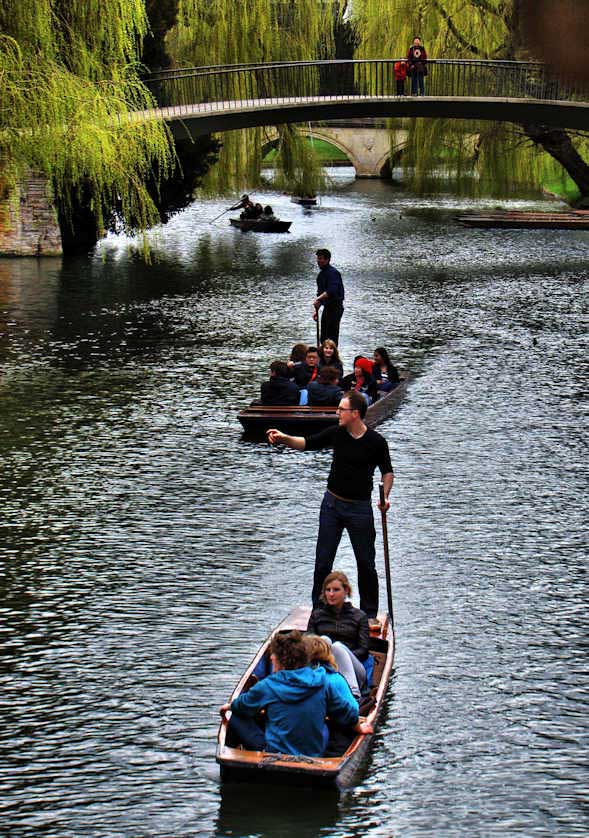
{"x": 325, "y": 391}
{"x": 329, "y": 356}
{"x": 269, "y": 214}
{"x": 361, "y": 379}
{"x": 309, "y": 370}
{"x": 296, "y": 699}
{"x": 297, "y": 357}
{"x": 279, "y": 389}
{"x": 320, "y": 652}
{"x": 384, "y": 372}
{"x": 347, "y": 628}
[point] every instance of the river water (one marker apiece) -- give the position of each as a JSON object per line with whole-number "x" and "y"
{"x": 147, "y": 549}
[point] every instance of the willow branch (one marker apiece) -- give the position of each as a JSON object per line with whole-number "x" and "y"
{"x": 453, "y": 29}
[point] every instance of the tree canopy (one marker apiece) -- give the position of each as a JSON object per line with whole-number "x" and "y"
{"x": 502, "y": 155}
{"x": 69, "y": 73}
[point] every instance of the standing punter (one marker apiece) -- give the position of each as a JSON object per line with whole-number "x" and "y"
{"x": 330, "y": 295}
{"x": 346, "y": 505}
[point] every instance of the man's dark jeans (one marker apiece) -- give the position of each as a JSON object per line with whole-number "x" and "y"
{"x": 330, "y": 320}
{"x": 356, "y": 517}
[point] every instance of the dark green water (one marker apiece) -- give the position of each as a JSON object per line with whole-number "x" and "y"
{"x": 147, "y": 550}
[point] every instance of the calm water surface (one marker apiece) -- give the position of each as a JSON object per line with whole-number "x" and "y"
{"x": 147, "y": 549}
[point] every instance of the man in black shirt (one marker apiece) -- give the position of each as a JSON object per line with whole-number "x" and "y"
{"x": 357, "y": 451}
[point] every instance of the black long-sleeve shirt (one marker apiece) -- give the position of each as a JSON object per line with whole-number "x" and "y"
{"x": 354, "y": 460}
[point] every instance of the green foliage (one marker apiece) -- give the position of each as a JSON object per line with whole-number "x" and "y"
{"x": 212, "y": 32}
{"x": 485, "y": 158}
{"x": 69, "y": 75}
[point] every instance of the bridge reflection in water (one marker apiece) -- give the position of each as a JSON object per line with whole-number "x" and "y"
{"x": 204, "y": 99}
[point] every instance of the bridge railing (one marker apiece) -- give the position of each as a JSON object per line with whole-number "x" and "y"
{"x": 239, "y": 85}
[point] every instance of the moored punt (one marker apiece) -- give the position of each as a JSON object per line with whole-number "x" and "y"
{"x": 260, "y": 225}
{"x": 575, "y": 220}
{"x": 303, "y": 202}
{"x": 332, "y": 771}
{"x": 257, "y": 418}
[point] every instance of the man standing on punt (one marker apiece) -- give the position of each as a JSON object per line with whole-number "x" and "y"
{"x": 346, "y": 505}
{"x": 330, "y": 295}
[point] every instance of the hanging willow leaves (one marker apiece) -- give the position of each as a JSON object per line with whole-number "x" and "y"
{"x": 68, "y": 78}
{"x": 477, "y": 157}
{"x": 210, "y": 32}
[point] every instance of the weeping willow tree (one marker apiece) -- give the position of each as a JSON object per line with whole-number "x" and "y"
{"x": 210, "y": 32}
{"x": 498, "y": 155}
{"x": 69, "y": 74}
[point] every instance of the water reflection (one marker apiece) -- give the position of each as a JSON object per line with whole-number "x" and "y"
{"x": 253, "y": 810}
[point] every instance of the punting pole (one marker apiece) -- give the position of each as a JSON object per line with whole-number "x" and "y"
{"x": 220, "y": 214}
{"x": 317, "y": 325}
{"x": 387, "y": 564}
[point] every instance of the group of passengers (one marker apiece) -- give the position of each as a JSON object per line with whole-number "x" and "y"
{"x": 325, "y": 672}
{"x": 315, "y": 376}
{"x": 253, "y": 211}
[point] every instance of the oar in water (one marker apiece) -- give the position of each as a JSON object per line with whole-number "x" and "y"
{"x": 387, "y": 565}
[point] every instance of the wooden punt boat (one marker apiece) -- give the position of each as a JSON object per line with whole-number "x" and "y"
{"x": 260, "y": 225}
{"x": 328, "y": 771}
{"x": 303, "y": 202}
{"x": 517, "y": 220}
{"x": 257, "y": 418}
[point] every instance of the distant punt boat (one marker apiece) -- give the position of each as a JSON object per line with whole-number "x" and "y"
{"x": 257, "y": 418}
{"x": 338, "y": 771}
{"x": 260, "y": 225}
{"x": 303, "y": 202}
{"x": 516, "y": 220}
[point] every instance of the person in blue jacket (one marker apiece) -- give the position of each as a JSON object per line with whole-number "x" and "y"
{"x": 296, "y": 699}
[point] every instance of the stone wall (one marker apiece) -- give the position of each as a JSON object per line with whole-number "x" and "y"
{"x": 31, "y": 229}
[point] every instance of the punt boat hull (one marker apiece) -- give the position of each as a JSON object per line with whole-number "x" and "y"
{"x": 259, "y": 225}
{"x": 298, "y": 421}
{"x": 338, "y": 772}
{"x": 516, "y": 220}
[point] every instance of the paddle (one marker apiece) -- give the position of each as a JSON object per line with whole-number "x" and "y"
{"x": 387, "y": 565}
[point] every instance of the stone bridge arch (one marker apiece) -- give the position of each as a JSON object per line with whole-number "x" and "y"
{"x": 366, "y": 145}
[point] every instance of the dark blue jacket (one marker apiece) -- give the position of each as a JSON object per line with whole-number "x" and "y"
{"x": 329, "y": 279}
{"x": 278, "y": 390}
{"x": 324, "y": 395}
{"x": 296, "y": 702}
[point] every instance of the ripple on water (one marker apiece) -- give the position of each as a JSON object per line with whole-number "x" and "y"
{"x": 148, "y": 549}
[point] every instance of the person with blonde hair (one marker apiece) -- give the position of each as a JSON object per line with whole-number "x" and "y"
{"x": 345, "y": 627}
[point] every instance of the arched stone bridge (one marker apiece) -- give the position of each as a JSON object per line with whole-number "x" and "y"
{"x": 202, "y": 100}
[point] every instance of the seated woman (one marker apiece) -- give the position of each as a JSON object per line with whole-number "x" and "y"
{"x": 296, "y": 698}
{"x": 347, "y": 628}
{"x": 325, "y": 392}
{"x": 320, "y": 652}
{"x": 361, "y": 379}
{"x": 329, "y": 356}
{"x": 384, "y": 372}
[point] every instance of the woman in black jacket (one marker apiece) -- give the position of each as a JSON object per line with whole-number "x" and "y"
{"x": 346, "y": 626}
{"x": 384, "y": 371}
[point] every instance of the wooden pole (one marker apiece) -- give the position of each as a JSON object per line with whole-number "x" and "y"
{"x": 387, "y": 564}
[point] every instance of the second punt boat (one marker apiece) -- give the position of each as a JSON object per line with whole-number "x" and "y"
{"x": 257, "y": 418}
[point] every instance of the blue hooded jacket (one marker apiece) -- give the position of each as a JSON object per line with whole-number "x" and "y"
{"x": 296, "y": 702}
